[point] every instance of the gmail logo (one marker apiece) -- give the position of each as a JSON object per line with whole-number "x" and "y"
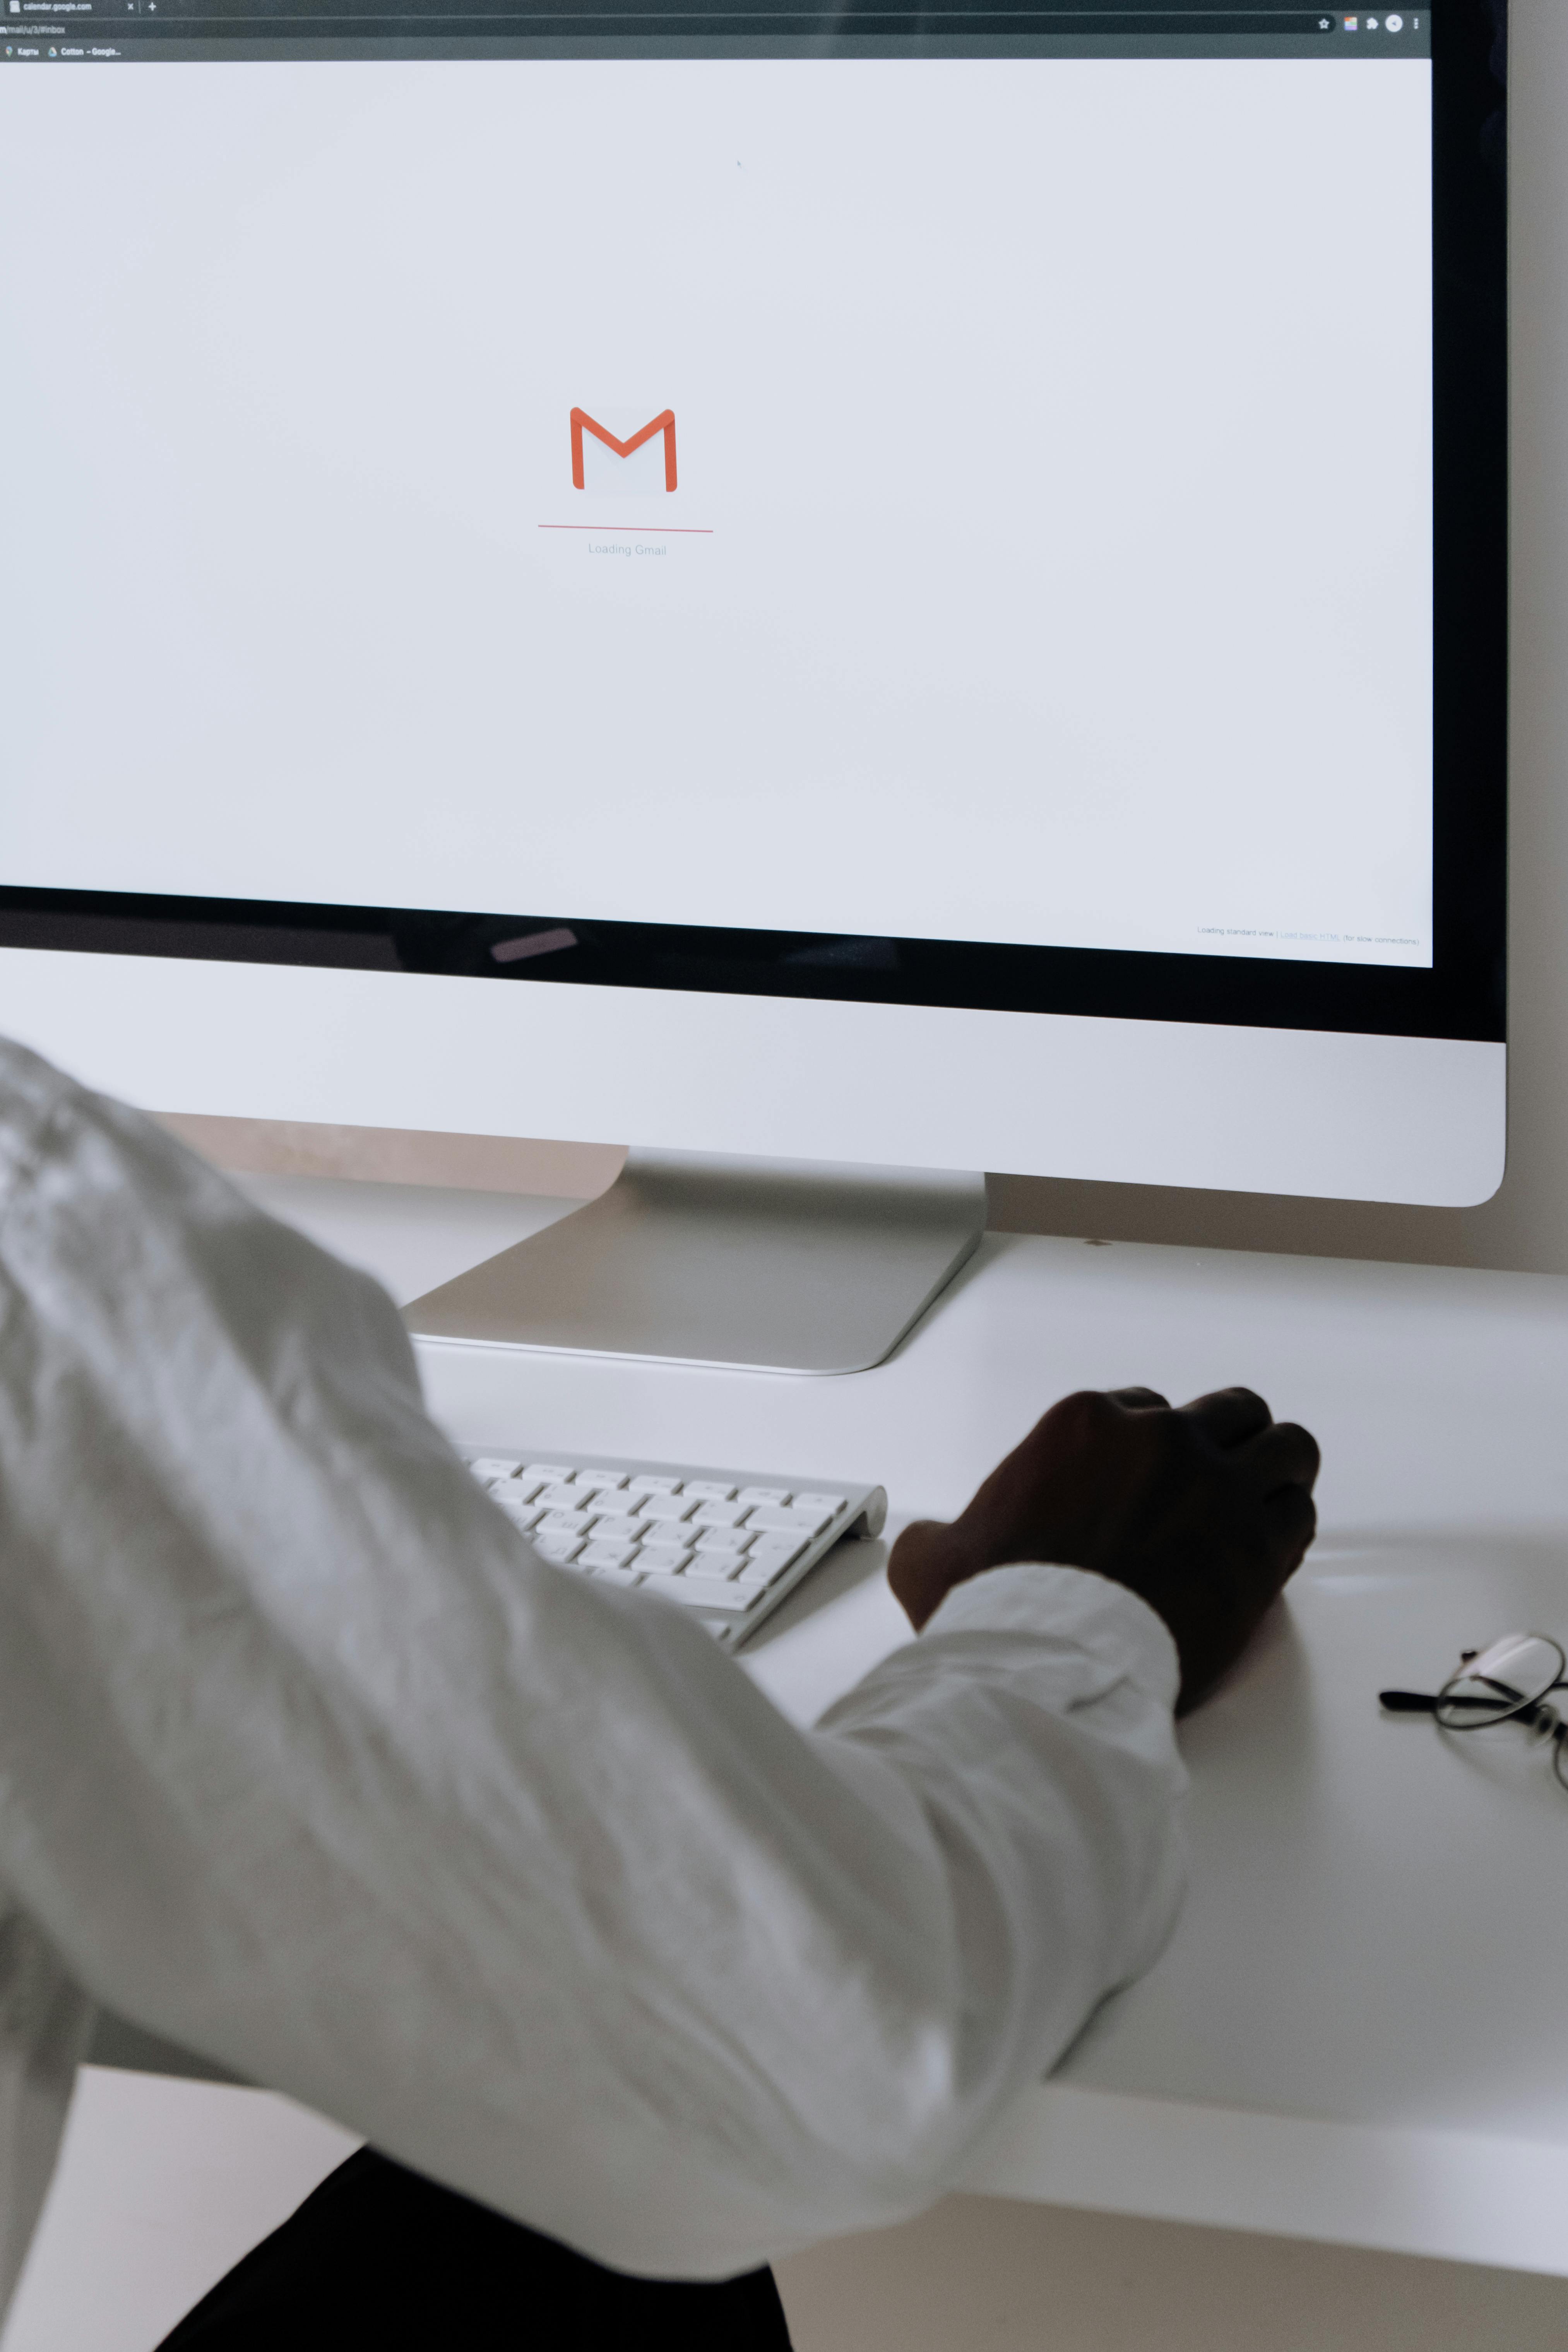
{"x": 587, "y": 429}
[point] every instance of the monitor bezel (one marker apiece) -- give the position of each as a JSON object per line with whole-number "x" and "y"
{"x": 1461, "y": 995}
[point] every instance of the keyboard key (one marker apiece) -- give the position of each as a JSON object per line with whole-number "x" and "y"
{"x": 700, "y": 1592}
{"x": 548, "y": 1472}
{"x": 729, "y": 1542}
{"x": 562, "y": 1550}
{"x": 495, "y": 1465}
{"x": 709, "y": 1490}
{"x": 762, "y": 1577}
{"x": 606, "y": 1555}
{"x": 797, "y": 1522}
{"x": 602, "y": 1482}
{"x": 714, "y": 1593}
{"x": 779, "y": 1495}
{"x": 647, "y": 1483}
{"x": 561, "y": 1497}
{"x": 626, "y": 1577}
{"x": 665, "y": 1507}
{"x": 762, "y": 1567}
{"x": 828, "y": 1505}
{"x": 663, "y": 1560}
{"x": 615, "y": 1526}
{"x": 667, "y": 1587}
{"x": 777, "y": 1547}
{"x": 719, "y": 1514}
{"x": 522, "y": 1515}
{"x": 565, "y": 1523}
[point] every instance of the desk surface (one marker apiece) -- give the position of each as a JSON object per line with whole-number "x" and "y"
{"x": 1357, "y": 2032}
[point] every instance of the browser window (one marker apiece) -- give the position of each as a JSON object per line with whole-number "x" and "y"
{"x": 982, "y": 494}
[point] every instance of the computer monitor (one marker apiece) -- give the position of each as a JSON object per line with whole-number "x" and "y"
{"x": 913, "y": 589}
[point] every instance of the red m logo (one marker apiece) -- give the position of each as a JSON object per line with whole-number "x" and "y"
{"x": 663, "y": 423}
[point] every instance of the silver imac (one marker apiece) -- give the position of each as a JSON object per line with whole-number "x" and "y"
{"x": 836, "y": 593}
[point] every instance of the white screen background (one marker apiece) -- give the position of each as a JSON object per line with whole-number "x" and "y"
{"x": 1054, "y": 548}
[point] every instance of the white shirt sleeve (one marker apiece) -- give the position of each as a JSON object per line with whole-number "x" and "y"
{"x": 309, "y": 1762}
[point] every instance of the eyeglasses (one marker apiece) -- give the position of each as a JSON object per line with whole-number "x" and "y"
{"x": 1509, "y": 1682}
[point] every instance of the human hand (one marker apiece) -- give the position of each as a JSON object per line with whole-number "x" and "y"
{"x": 1204, "y": 1512}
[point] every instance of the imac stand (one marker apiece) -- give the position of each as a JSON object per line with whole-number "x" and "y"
{"x": 774, "y": 1266}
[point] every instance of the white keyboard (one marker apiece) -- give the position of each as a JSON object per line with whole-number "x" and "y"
{"x": 726, "y": 1544}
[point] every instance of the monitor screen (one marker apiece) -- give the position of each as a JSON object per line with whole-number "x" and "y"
{"x": 947, "y": 510}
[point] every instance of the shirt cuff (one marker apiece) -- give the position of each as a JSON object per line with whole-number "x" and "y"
{"x": 1074, "y": 1604}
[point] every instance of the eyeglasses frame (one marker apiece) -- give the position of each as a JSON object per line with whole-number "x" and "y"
{"x": 1541, "y": 1721}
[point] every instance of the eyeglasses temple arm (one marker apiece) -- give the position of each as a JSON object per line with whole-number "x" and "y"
{"x": 1397, "y": 1702}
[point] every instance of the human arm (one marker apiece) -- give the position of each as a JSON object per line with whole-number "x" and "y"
{"x": 307, "y": 1761}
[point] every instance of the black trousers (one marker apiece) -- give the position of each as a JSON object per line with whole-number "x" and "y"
{"x": 379, "y": 2260}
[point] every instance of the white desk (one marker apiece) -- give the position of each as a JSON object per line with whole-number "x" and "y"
{"x": 1358, "y": 2031}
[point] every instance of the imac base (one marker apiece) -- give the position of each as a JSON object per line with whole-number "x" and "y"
{"x": 773, "y": 1266}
